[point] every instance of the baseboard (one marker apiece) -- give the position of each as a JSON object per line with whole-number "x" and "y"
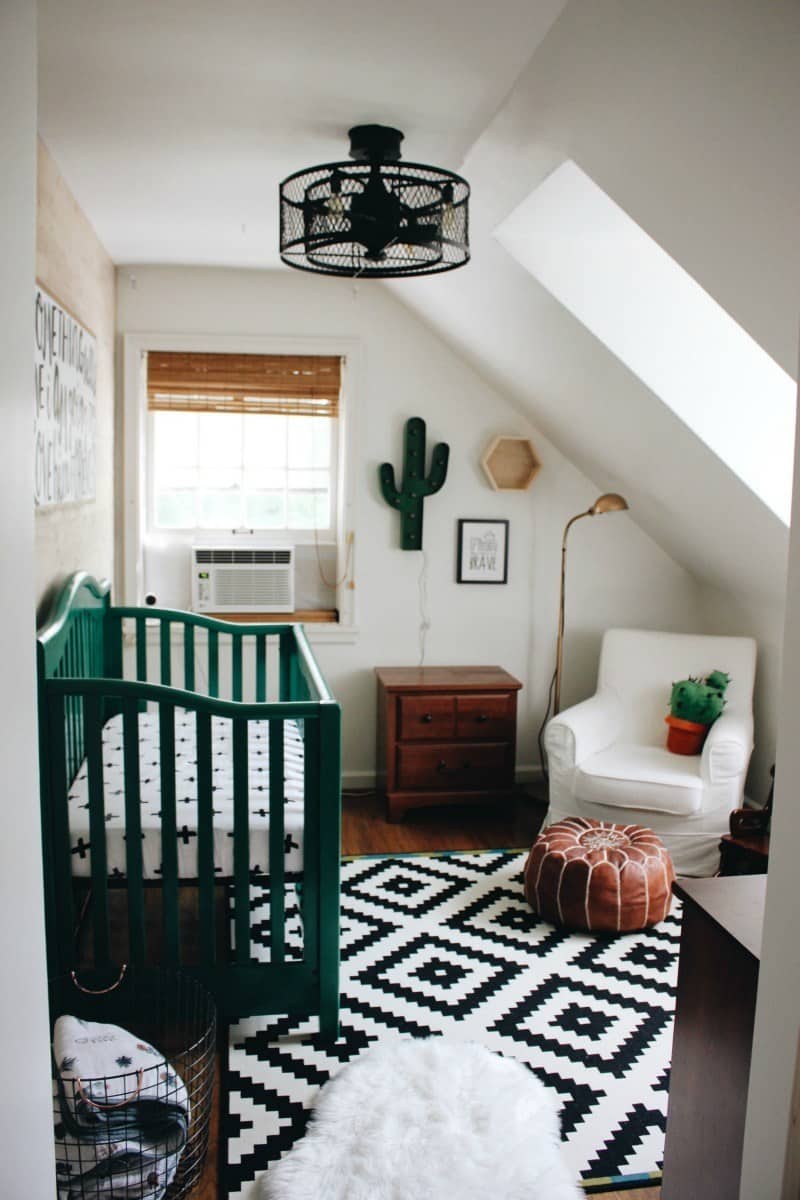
{"x": 357, "y": 781}
{"x": 531, "y": 773}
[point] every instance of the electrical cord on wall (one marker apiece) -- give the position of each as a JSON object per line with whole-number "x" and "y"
{"x": 424, "y": 612}
{"x": 334, "y": 583}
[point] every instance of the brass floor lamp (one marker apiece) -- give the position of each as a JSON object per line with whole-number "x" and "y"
{"x": 608, "y": 502}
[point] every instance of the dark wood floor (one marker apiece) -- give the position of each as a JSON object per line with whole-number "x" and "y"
{"x": 365, "y": 830}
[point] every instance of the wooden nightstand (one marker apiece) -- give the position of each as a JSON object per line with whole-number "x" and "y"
{"x": 446, "y": 735}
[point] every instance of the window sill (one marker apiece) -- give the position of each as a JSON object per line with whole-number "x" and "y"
{"x": 318, "y": 633}
{"x": 319, "y": 623}
{"x": 301, "y": 616}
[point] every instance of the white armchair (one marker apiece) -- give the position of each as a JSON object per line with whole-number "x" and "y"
{"x": 608, "y": 758}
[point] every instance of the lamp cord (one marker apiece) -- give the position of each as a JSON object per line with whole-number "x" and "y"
{"x": 424, "y": 613}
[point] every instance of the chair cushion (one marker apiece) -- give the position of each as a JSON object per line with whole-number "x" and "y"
{"x": 646, "y": 778}
{"x": 593, "y": 875}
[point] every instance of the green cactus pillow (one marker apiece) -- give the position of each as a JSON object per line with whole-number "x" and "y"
{"x": 697, "y": 700}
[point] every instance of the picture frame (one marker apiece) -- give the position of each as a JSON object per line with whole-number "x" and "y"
{"x": 482, "y": 550}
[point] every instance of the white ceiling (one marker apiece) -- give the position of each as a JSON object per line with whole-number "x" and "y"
{"x": 174, "y": 123}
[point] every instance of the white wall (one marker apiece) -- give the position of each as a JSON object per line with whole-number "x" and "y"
{"x": 685, "y": 115}
{"x": 769, "y": 1115}
{"x": 26, "y": 1139}
{"x": 617, "y": 574}
{"x": 726, "y": 611}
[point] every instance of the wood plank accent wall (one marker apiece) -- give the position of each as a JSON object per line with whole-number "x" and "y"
{"x": 75, "y": 269}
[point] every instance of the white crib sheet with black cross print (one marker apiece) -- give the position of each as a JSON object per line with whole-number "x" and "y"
{"x": 186, "y": 797}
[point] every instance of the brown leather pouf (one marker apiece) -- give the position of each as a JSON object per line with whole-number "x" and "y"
{"x": 593, "y": 875}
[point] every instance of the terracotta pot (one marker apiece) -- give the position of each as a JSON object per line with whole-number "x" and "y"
{"x": 685, "y": 737}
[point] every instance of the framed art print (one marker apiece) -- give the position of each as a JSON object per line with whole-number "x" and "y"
{"x": 65, "y": 405}
{"x": 482, "y": 551}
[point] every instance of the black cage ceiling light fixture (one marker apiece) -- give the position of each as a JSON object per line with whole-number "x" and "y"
{"x": 374, "y": 216}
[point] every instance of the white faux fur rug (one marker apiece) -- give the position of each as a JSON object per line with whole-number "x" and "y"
{"x": 429, "y": 1119}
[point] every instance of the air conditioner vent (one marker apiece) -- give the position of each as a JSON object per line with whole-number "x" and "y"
{"x": 243, "y": 556}
{"x": 228, "y": 579}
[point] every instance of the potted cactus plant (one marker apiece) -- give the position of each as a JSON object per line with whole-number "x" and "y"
{"x": 694, "y": 706}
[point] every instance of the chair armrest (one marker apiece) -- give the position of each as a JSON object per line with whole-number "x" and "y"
{"x": 727, "y": 749}
{"x": 583, "y": 730}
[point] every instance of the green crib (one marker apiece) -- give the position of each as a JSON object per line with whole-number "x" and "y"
{"x": 185, "y": 663}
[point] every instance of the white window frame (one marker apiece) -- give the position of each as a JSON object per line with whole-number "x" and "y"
{"x": 134, "y": 442}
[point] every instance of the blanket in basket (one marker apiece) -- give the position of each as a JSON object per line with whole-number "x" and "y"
{"x": 122, "y": 1113}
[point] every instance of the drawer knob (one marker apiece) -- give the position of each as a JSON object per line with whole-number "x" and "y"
{"x": 441, "y": 765}
{"x": 482, "y": 717}
{"x": 428, "y": 717}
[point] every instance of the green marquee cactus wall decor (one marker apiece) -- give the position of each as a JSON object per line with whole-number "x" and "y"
{"x": 408, "y": 499}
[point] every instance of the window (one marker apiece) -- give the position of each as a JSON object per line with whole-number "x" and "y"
{"x": 242, "y": 441}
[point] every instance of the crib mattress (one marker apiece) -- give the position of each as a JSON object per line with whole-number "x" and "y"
{"x": 186, "y": 798}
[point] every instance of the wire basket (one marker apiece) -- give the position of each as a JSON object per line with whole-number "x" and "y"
{"x": 141, "y": 1134}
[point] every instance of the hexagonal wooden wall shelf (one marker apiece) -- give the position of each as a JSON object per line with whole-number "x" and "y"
{"x": 511, "y": 463}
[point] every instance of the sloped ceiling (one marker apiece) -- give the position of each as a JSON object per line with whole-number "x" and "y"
{"x": 174, "y": 132}
{"x": 685, "y": 115}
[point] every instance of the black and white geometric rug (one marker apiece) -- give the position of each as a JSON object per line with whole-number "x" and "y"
{"x": 446, "y": 944}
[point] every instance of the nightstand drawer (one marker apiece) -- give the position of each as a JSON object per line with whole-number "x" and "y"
{"x": 485, "y": 716}
{"x": 426, "y": 717}
{"x": 453, "y": 767}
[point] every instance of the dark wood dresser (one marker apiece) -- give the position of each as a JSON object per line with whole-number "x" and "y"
{"x": 446, "y": 735}
{"x": 714, "y": 1016}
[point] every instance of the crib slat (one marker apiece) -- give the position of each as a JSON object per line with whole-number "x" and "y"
{"x": 133, "y": 831}
{"x": 141, "y": 649}
{"x": 72, "y": 702}
{"x": 188, "y": 657}
{"x": 114, "y": 650}
{"x": 241, "y": 842}
{"x": 236, "y": 666}
{"x": 287, "y": 653}
{"x": 93, "y": 730}
{"x": 311, "y": 783}
{"x": 330, "y": 826}
{"x": 166, "y": 653}
{"x": 261, "y": 667}
{"x": 277, "y": 883}
{"x": 213, "y": 662}
{"x": 62, "y": 858}
{"x": 85, "y": 645}
{"x": 169, "y": 833}
{"x": 205, "y": 841}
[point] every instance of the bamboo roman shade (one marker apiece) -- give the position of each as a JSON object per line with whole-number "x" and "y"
{"x": 295, "y": 384}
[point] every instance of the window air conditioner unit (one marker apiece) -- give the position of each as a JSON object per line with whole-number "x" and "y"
{"x": 234, "y": 579}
